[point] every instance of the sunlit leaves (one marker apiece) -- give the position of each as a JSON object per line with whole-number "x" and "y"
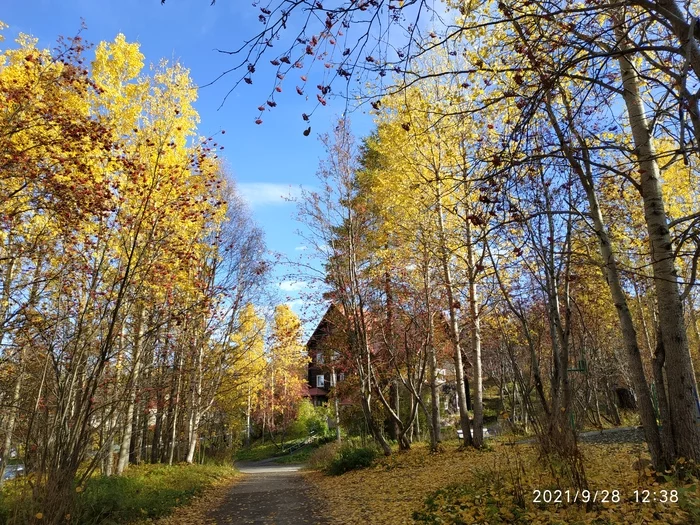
{"x": 114, "y": 215}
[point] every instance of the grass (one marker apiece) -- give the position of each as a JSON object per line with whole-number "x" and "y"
{"x": 298, "y": 456}
{"x": 148, "y": 491}
{"x": 144, "y": 492}
{"x": 259, "y": 451}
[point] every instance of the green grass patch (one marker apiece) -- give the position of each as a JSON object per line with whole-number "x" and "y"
{"x": 258, "y": 452}
{"x": 147, "y": 491}
{"x": 143, "y": 492}
{"x": 299, "y": 456}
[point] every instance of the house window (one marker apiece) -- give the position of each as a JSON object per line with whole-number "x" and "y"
{"x": 320, "y": 381}
{"x": 319, "y": 358}
{"x": 335, "y": 377}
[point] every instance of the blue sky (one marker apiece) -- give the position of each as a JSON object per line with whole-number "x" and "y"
{"x": 266, "y": 161}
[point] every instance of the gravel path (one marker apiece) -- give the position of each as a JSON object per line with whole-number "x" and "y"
{"x": 269, "y": 493}
{"x": 607, "y": 436}
{"x": 613, "y": 435}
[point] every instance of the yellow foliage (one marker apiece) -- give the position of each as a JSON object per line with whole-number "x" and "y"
{"x": 244, "y": 379}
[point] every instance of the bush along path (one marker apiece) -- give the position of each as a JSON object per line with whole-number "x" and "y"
{"x": 269, "y": 493}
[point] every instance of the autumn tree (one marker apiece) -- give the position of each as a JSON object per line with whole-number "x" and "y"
{"x": 284, "y": 373}
{"x": 338, "y": 224}
{"x": 245, "y": 382}
{"x": 566, "y": 89}
{"x": 126, "y": 264}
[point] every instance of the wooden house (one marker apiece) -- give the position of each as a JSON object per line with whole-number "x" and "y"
{"x": 324, "y": 369}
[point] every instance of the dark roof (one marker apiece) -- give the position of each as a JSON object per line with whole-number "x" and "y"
{"x": 323, "y": 327}
{"x": 314, "y": 392}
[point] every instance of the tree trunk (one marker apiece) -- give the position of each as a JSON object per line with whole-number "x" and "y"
{"x": 336, "y": 404}
{"x": 683, "y": 400}
{"x": 136, "y": 367}
{"x": 613, "y": 280}
{"x": 662, "y": 397}
{"x": 478, "y": 438}
{"x": 176, "y": 411}
{"x": 249, "y": 407}
{"x": 453, "y": 324}
{"x": 612, "y": 405}
{"x": 395, "y": 402}
{"x": 434, "y": 390}
{"x": 196, "y": 406}
{"x": 113, "y": 421}
{"x": 373, "y": 428}
{"x": 157, "y": 429}
{"x": 9, "y": 423}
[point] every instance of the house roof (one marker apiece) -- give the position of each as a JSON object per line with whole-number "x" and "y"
{"x": 322, "y": 328}
{"x": 315, "y": 392}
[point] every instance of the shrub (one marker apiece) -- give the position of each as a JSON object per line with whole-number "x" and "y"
{"x": 328, "y": 438}
{"x": 351, "y": 458}
{"x": 322, "y": 457}
{"x": 310, "y": 420}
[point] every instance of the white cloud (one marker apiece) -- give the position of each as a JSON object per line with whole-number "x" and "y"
{"x": 292, "y": 286}
{"x": 268, "y": 193}
{"x": 301, "y": 248}
{"x": 297, "y": 305}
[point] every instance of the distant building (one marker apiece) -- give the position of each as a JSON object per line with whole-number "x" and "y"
{"x": 322, "y": 374}
{"x": 325, "y": 348}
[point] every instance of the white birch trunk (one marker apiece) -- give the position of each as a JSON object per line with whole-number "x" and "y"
{"x": 682, "y": 387}
{"x": 129, "y": 418}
